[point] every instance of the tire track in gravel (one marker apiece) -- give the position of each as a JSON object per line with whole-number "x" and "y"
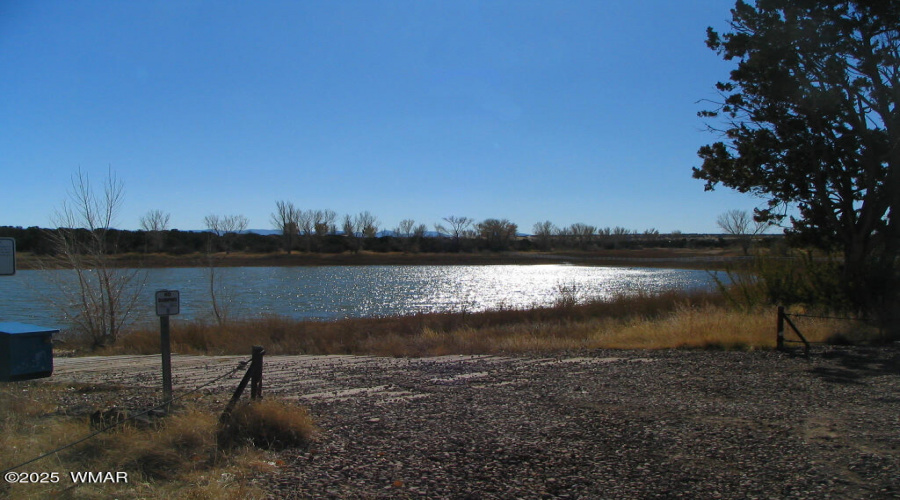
{"x": 305, "y": 378}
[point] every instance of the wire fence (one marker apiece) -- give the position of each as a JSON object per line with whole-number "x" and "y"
{"x": 847, "y": 318}
{"x": 130, "y": 417}
{"x": 785, "y": 319}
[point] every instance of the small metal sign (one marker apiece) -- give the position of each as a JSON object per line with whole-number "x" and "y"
{"x": 168, "y": 303}
{"x": 7, "y": 256}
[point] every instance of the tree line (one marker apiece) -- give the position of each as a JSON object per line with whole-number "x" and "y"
{"x": 323, "y": 231}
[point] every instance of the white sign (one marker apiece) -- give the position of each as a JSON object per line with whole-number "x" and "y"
{"x": 7, "y": 256}
{"x": 167, "y": 303}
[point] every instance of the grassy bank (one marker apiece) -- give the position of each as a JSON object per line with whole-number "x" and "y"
{"x": 188, "y": 454}
{"x": 667, "y": 320}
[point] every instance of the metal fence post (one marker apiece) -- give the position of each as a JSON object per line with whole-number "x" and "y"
{"x": 165, "y": 348}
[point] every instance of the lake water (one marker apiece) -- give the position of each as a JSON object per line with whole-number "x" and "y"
{"x": 349, "y": 291}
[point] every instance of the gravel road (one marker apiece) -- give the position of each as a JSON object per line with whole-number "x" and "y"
{"x": 598, "y": 424}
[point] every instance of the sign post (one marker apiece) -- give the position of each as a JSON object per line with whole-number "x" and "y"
{"x": 168, "y": 303}
{"x": 7, "y": 256}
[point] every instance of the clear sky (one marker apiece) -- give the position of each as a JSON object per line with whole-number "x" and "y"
{"x": 568, "y": 111}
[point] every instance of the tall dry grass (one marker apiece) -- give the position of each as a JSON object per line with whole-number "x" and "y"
{"x": 643, "y": 321}
{"x": 181, "y": 457}
{"x": 421, "y": 334}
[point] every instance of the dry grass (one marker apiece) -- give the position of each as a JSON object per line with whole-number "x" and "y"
{"x": 180, "y": 458}
{"x": 643, "y": 321}
{"x": 423, "y": 334}
{"x": 267, "y": 424}
{"x": 709, "y": 327}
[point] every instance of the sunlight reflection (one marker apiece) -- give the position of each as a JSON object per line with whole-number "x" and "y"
{"x": 356, "y": 291}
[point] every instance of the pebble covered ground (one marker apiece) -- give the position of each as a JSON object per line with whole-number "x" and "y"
{"x": 598, "y": 424}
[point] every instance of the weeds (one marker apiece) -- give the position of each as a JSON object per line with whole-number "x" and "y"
{"x": 415, "y": 335}
{"x": 567, "y": 295}
{"x": 181, "y": 457}
{"x": 267, "y": 424}
{"x": 665, "y": 320}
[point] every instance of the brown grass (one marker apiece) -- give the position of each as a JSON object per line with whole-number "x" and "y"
{"x": 179, "y": 458}
{"x": 267, "y": 424}
{"x": 644, "y": 321}
{"x": 545, "y": 327}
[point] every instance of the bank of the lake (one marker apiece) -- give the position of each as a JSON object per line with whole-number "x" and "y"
{"x": 666, "y": 320}
{"x": 673, "y": 258}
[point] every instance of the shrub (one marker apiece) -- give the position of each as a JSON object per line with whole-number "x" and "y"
{"x": 267, "y": 424}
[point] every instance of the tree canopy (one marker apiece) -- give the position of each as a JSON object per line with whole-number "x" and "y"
{"x": 812, "y": 122}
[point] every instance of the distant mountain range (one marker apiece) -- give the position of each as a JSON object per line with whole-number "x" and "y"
{"x": 263, "y": 231}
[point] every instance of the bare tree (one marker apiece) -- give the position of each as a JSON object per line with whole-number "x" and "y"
{"x": 418, "y": 233}
{"x": 583, "y": 234}
{"x": 367, "y": 224}
{"x": 651, "y": 234}
{"x": 620, "y": 234}
{"x": 220, "y": 294}
{"x": 286, "y": 219}
{"x": 323, "y": 223}
{"x": 314, "y": 225}
{"x": 740, "y": 224}
{"x": 497, "y": 233}
{"x": 458, "y": 226}
{"x": 544, "y": 233}
{"x": 236, "y": 224}
{"x": 101, "y": 297}
{"x": 406, "y": 228}
{"x": 307, "y": 225}
{"x": 156, "y": 223}
{"x": 213, "y": 223}
{"x": 350, "y": 232}
{"x": 226, "y": 227}
{"x": 405, "y": 231}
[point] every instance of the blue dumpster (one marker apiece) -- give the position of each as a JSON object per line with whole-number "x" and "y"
{"x": 26, "y": 351}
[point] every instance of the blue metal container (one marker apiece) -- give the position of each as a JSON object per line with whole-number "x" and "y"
{"x": 26, "y": 351}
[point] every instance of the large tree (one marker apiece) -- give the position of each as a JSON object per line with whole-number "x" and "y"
{"x": 812, "y": 122}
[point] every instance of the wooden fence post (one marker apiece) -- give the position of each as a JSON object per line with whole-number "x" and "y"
{"x": 253, "y": 376}
{"x": 779, "y": 342}
{"x": 256, "y": 376}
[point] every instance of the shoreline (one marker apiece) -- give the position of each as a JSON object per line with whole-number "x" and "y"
{"x": 651, "y": 257}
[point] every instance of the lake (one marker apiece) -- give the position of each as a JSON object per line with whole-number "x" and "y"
{"x": 350, "y": 291}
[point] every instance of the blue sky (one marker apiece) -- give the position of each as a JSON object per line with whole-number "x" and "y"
{"x": 568, "y": 111}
